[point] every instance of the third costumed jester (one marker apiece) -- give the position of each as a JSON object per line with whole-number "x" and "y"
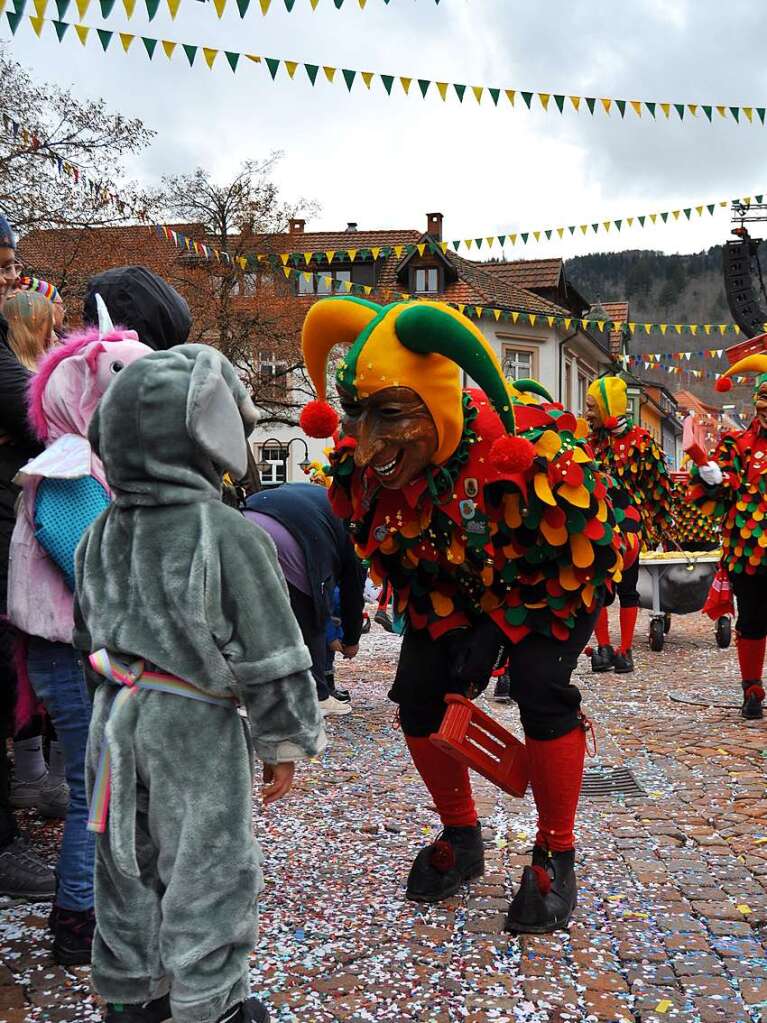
{"x": 491, "y": 522}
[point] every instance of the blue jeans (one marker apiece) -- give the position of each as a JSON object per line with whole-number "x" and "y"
{"x": 56, "y": 674}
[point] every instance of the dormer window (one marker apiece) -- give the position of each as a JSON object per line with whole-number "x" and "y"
{"x": 426, "y": 280}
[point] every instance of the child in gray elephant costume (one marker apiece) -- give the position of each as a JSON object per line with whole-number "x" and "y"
{"x": 197, "y": 663}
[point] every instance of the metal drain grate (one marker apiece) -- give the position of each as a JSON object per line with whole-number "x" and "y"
{"x": 601, "y": 783}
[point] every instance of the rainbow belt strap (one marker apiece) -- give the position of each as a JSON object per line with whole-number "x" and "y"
{"x": 132, "y": 676}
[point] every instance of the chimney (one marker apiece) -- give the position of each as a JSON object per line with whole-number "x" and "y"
{"x": 296, "y": 226}
{"x": 351, "y": 226}
{"x": 434, "y": 225}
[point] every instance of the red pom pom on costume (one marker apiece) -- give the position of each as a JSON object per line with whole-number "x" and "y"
{"x": 511, "y": 454}
{"x": 318, "y": 420}
{"x": 543, "y": 878}
{"x": 589, "y": 651}
{"x": 723, "y": 384}
{"x": 756, "y": 691}
{"x": 610, "y": 422}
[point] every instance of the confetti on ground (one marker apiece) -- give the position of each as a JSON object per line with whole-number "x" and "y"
{"x": 673, "y": 896}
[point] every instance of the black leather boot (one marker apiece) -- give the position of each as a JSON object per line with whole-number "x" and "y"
{"x": 157, "y": 1011}
{"x": 602, "y": 659}
{"x": 502, "y": 691}
{"x": 441, "y": 868}
{"x": 547, "y": 894}
{"x": 753, "y": 698}
{"x": 624, "y": 662}
{"x": 251, "y": 1011}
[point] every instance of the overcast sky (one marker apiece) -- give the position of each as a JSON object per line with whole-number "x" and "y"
{"x": 386, "y": 162}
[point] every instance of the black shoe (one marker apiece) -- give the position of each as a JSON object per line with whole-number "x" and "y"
{"x": 73, "y": 936}
{"x": 753, "y": 698}
{"x": 343, "y": 695}
{"x": 23, "y": 875}
{"x": 624, "y": 662}
{"x": 602, "y": 659}
{"x": 251, "y": 1011}
{"x": 382, "y": 618}
{"x": 156, "y": 1011}
{"x": 441, "y": 868}
{"x": 501, "y": 693}
{"x": 547, "y": 894}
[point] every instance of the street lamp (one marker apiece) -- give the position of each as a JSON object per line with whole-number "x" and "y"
{"x": 264, "y": 463}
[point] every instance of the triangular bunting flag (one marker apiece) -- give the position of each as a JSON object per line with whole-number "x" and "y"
{"x": 265, "y": 5}
{"x": 169, "y": 47}
{"x": 544, "y": 97}
{"x": 330, "y": 72}
{"x": 82, "y": 33}
{"x": 651, "y": 107}
{"x": 242, "y": 7}
{"x": 606, "y": 103}
{"x": 82, "y": 7}
{"x": 388, "y": 81}
{"x": 666, "y": 108}
{"x": 61, "y": 28}
{"x": 406, "y": 83}
{"x": 591, "y": 103}
{"x": 105, "y": 38}
{"x": 311, "y": 71}
{"x": 423, "y": 85}
{"x": 190, "y": 51}
{"x": 477, "y": 90}
{"x": 510, "y": 95}
{"x": 232, "y": 58}
{"x": 528, "y": 98}
{"x": 442, "y": 89}
{"x": 560, "y": 102}
{"x": 735, "y": 111}
{"x": 349, "y": 77}
{"x": 210, "y": 56}
{"x": 149, "y": 46}
{"x": 459, "y": 91}
{"x": 621, "y": 105}
{"x": 152, "y": 5}
{"x": 495, "y": 95}
{"x": 290, "y": 67}
{"x": 273, "y": 64}
{"x": 367, "y": 78}
{"x": 636, "y": 106}
{"x": 37, "y": 25}
{"x": 679, "y": 107}
{"x": 576, "y": 102}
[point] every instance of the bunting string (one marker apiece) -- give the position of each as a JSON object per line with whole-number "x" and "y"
{"x": 508, "y": 98}
{"x": 153, "y": 6}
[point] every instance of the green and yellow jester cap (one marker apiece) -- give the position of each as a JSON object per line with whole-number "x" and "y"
{"x": 611, "y": 395}
{"x": 420, "y": 345}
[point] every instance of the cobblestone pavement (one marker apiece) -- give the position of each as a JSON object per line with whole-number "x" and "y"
{"x": 672, "y": 918}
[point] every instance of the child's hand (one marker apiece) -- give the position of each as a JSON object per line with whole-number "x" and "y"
{"x": 351, "y": 651}
{"x": 278, "y": 779}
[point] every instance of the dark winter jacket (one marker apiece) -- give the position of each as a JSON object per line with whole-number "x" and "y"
{"x": 304, "y": 510}
{"x": 140, "y": 300}
{"x": 17, "y": 445}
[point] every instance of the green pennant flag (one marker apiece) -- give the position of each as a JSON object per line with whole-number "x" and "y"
{"x": 423, "y": 85}
{"x": 687, "y": 212}
{"x": 501, "y": 239}
{"x": 664, "y": 217}
{"x": 61, "y": 28}
{"x": 528, "y": 98}
{"x": 274, "y": 65}
{"x": 759, "y": 199}
{"x": 524, "y": 235}
{"x": 456, "y": 245}
{"x": 349, "y": 76}
{"x": 339, "y": 4}
{"x": 621, "y": 105}
{"x": 190, "y": 51}
{"x": 478, "y": 242}
{"x": 496, "y": 94}
{"x": 151, "y": 8}
{"x": 650, "y": 107}
{"x": 233, "y": 59}
{"x": 548, "y": 234}
{"x": 560, "y": 102}
{"x": 62, "y": 7}
{"x": 735, "y": 111}
{"x": 388, "y": 81}
{"x": 14, "y": 17}
{"x": 711, "y": 207}
{"x": 618, "y": 224}
{"x": 571, "y": 229}
{"x": 707, "y": 111}
{"x": 459, "y": 91}
{"x": 149, "y": 46}
{"x": 590, "y": 103}
{"x": 760, "y": 113}
{"x": 105, "y": 38}
{"x": 289, "y": 4}
{"x": 242, "y": 7}
{"x": 595, "y": 227}
{"x": 679, "y": 107}
{"x": 642, "y": 219}
{"x": 311, "y": 71}
{"x": 106, "y": 7}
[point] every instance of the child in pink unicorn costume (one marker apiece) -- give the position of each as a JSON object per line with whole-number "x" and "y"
{"x": 63, "y": 490}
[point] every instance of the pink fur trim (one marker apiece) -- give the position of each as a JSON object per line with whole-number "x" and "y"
{"x": 74, "y": 344}
{"x": 27, "y": 704}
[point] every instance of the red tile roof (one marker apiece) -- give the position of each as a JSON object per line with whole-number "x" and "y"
{"x": 616, "y": 311}
{"x": 529, "y": 273}
{"x": 325, "y": 241}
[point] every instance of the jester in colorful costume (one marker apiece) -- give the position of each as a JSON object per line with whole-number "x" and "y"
{"x": 494, "y": 528}
{"x": 732, "y": 488}
{"x": 638, "y": 469}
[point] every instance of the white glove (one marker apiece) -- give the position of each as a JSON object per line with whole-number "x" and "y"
{"x": 711, "y": 474}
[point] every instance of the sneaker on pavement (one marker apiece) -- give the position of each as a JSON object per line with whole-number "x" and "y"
{"x": 343, "y": 695}
{"x": 156, "y": 1011}
{"x": 23, "y": 875}
{"x": 502, "y": 691}
{"x": 333, "y": 706}
{"x": 383, "y": 619}
{"x": 53, "y": 801}
{"x": 25, "y": 794}
{"x": 73, "y": 936}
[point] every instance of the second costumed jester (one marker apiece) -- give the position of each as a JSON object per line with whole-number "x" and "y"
{"x": 495, "y": 529}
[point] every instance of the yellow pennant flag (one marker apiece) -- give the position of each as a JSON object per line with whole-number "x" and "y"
{"x": 82, "y": 33}
{"x": 510, "y": 95}
{"x": 286, "y": 271}
{"x": 707, "y": 327}
{"x": 461, "y": 307}
{"x": 663, "y": 328}
{"x": 314, "y": 4}
{"x": 653, "y": 217}
{"x": 367, "y": 289}
{"x": 265, "y": 5}
{"x": 173, "y": 6}
{"x": 126, "y": 39}
{"x": 284, "y": 257}
{"x": 636, "y": 106}
{"x": 699, "y": 210}
{"x": 576, "y": 102}
{"x": 478, "y": 310}
{"x": 632, "y": 327}
{"x": 37, "y": 25}
{"x": 210, "y": 56}
{"x": 584, "y": 228}
{"x": 693, "y": 329}
{"x": 550, "y": 320}
{"x": 749, "y": 112}
{"x": 630, "y": 221}
{"x": 442, "y": 89}
{"x": 220, "y": 6}
{"x": 307, "y": 258}
{"x": 513, "y": 238}
{"x": 328, "y": 255}
{"x": 406, "y": 83}
{"x": 169, "y": 47}
{"x": 647, "y": 328}
{"x": 375, "y": 251}
{"x": 352, "y": 254}
{"x": 722, "y": 111}
{"x": 560, "y": 231}
{"x": 421, "y": 249}
{"x": 532, "y": 317}
{"x": 514, "y": 317}
{"x": 490, "y": 241}
{"x": 675, "y": 214}
{"x": 606, "y": 224}
{"x": 443, "y": 246}
{"x": 544, "y": 97}
{"x": 678, "y": 328}
{"x": 290, "y": 67}
{"x": 693, "y": 108}
{"x": 362, "y": 4}
{"x": 467, "y": 242}
{"x": 477, "y": 90}
{"x": 330, "y": 72}
{"x": 497, "y": 314}
{"x": 82, "y": 7}
{"x": 537, "y": 235}
{"x": 666, "y": 108}
{"x": 40, "y": 8}
{"x": 398, "y": 251}
{"x": 606, "y": 103}
{"x": 367, "y": 78}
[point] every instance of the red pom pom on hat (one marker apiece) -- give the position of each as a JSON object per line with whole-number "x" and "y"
{"x": 723, "y": 384}
{"x": 511, "y": 454}
{"x": 610, "y": 422}
{"x": 318, "y": 419}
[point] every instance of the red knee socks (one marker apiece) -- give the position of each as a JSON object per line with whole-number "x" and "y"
{"x": 751, "y": 658}
{"x": 556, "y": 773}
{"x": 628, "y": 617}
{"x": 447, "y": 781}
{"x": 602, "y": 628}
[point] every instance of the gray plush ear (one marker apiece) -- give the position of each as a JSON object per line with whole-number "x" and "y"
{"x": 213, "y": 419}
{"x": 94, "y": 431}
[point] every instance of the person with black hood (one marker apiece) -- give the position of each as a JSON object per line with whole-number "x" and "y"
{"x": 22, "y": 873}
{"x": 140, "y": 300}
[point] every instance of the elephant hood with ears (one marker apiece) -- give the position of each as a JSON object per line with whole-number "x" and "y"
{"x": 171, "y": 425}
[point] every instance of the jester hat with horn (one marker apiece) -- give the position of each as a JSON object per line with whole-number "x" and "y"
{"x": 420, "y": 345}
{"x": 611, "y": 396}
{"x": 754, "y": 363}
